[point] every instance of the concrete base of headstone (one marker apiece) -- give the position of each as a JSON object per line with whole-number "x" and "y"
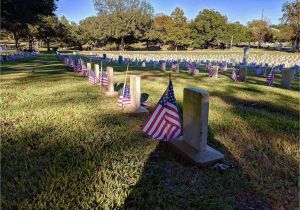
{"x": 206, "y": 157}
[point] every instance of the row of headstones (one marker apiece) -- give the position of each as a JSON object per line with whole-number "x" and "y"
{"x": 289, "y": 61}
{"x": 288, "y": 74}
{"x": 194, "y": 65}
{"x": 16, "y": 56}
{"x": 193, "y": 143}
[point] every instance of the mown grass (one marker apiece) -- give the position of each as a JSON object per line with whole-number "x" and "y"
{"x": 67, "y": 146}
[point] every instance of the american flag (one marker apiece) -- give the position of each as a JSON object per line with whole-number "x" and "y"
{"x": 164, "y": 122}
{"x": 145, "y": 103}
{"x": 124, "y": 98}
{"x": 233, "y": 76}
{"x": 174, "y": 65}
{"x": 210, "y": 71}
{"x": 270, "y": 78}
{"x": 84, "y": 70}
{"x": 103, "y": 79}
{"x": 92, "y": 77}
{"x": 76, "y": 67}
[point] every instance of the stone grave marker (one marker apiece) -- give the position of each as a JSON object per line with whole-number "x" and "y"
{"x": 243, "y": 74}
{"x": 135, "y": 96}
{"x": 97, "y": 71}
{"x": 287, "y": 77}
{"x": 89, "y": 67}
{"x": 110, "y": 82}
{"x": 163, "y": 66}
{"x": 215, "y": 71}
{"x": 193, "y": 143}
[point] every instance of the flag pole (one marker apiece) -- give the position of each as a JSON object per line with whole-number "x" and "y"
{"x": 101, "y": 80}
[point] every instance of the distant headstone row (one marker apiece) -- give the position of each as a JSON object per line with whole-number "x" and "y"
{"x": 11, "y": 57}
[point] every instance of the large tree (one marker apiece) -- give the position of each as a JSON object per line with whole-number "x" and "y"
{"x": 259, "y": 30}
{"x": 178, "y": 31}
{"x": 127, "y": 20}
{"x": 17, "y": 14}
{"x": 291, "y": 17}
{"x": 209, "y": 28}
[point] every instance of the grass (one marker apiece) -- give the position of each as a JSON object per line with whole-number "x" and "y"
{"x": 67, "y": 146}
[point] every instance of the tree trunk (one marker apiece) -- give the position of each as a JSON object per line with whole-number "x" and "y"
{"x": 30, "y": 41}
{"x": 122, "y": 43}
{"x": 147, "y": 43}
{"x": 48, "y": 45}
{"x": 16, "y": 38}
{"x": 297, "y": 44}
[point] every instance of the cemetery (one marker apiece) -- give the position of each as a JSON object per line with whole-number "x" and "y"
{"x": 142, "y": 129}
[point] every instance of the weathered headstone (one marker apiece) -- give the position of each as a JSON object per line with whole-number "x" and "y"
{"x": 97, "y": 71}
{"x": 163, "y": 66}
{"x": 135, "y": 96}
{"x": 177, "y": 68}
{"x": 143, "y": 64}
{"x": 243, "y": 74}
{"x": 110, "y": 82}
{"x": 287, "y": 77}
{"x": 89, "y": 67}
{"x": 215, "y": 71}
{"x": 245, "y": 56}
{"x": 120, "y": 60}
{"x": 193, "y": 144}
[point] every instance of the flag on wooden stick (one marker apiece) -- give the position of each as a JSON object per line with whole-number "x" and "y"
{"x": 164, "y": 122}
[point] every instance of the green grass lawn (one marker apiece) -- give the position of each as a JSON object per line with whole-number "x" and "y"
{"x": 67, "y": 146}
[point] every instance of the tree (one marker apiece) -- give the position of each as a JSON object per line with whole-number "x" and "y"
{"x": 48, "y": 29}
{"x": 127, "y": 20}
{"x": 17, "y": 14}
{"x": 208, "y": 29}
{"x": 178, "y": 31}
{"x": 237, "y": 32}
{"x": 259, "y": 30}
{"x": 291, "y": 17}
{"x": 161, "y": 22}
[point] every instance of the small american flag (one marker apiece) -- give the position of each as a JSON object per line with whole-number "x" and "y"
{"x": 92, "y": 77}
{"x": 210, "y": 71}
{"x": 233, "y": 76}
{"x": 124, "y": 98}
{"x": 145, "y": 103}
{"x": 270, "y": 78}
{"x": 164, "y": 122}
{"x": 174, "y": 65}
{"x": 84, "y": 70}
{"x": 76, "y": 67}
{"x": 103, "y": 79}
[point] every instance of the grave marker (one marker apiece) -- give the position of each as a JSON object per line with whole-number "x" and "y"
{"x": 135, "y": 96}
{"x": 110, "y": 82}
{"x": 287, "y": 77}
{"x": 243, "y": 74}
{"x": 89, "y": 67}
{"x": 193, "y": 144}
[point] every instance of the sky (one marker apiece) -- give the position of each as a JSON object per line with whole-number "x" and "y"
{"x": 235, "y": 10}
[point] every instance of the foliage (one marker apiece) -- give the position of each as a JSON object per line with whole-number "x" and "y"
{"x": 208, "y": 29}
{"x": 127, "y": 20}
{"x": 17, "y": 14}
{"x": 291, "y": 17}
{"x": 178, "y": 31}
{"x": 259, "y": 30}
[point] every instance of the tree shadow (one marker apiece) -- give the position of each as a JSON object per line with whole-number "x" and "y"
{"x": 169, "y": 181}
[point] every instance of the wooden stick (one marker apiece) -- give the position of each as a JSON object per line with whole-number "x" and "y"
{"x": 101, "y": 78}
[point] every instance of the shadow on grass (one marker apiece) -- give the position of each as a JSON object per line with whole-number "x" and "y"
{"x": 170, "y": 182}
